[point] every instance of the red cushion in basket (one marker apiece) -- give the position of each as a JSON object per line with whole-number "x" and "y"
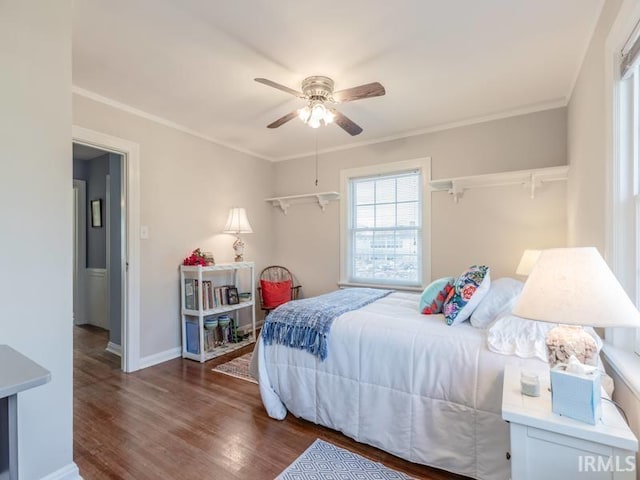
{"x": 275, "y": 293}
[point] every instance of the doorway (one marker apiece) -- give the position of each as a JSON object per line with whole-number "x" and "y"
{"x": 99, "y": 228}
{"x": 112, "y": 217}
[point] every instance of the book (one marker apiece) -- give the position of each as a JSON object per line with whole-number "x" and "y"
{"x": 189, "y": 299}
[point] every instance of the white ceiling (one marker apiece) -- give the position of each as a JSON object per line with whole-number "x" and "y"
{"x": 192, "y": 62}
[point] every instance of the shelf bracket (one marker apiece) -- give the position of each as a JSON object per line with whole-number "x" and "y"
{"x": 457, "y": 191}
{"x": 534, "y": 184}
{"x": 322, "y": 202}
{"x": 284, "y": 206}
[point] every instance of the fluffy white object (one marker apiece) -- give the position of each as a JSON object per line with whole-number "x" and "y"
{"x": 511, "y": 335}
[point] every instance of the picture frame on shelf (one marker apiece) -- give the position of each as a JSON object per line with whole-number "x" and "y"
{"x": 232, "y": 296}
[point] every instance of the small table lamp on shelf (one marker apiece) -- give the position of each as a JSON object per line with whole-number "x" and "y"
{"x": 574, "y": 287}
{"x": 238, "y": 223}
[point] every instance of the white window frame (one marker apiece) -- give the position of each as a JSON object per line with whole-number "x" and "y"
{"x": 623, "y": 149}
{"x": 421, "y": 164}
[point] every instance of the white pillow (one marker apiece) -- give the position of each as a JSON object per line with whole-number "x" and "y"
{"x": 512, "y": 335}
{"x": 500, "y": 299}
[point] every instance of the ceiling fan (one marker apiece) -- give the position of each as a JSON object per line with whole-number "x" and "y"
{"x": 318, "y": 91}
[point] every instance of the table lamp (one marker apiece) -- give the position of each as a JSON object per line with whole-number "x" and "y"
{"x": 574, "y": 287}
{"x": 528, "y": 260}
{"x": 238, "y": 223}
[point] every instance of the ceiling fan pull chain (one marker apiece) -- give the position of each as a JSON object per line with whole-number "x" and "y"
{"x": 316, "y": 158}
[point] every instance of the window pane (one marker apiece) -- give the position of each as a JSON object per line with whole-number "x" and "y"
{"x": 408, "y": 215}
{"x": 364, "y": 217}
{"x": 385, "y": 216}
{"x": 386, "y": 213}
{"x": 406, "y": 268}
{"x": 362, "y": 242}
{"x": 408, "y": 241}
{"x": 408, "y": 188}
{"x": 386, "y": 190}
{"x": 364, "y": 192}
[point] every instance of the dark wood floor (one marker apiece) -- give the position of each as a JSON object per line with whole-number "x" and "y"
{"x": 180, "y": 420}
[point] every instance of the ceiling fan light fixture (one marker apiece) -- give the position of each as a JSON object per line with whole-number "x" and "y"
{"x": 313, "y": 122}
{"x": 304, "y": 114}
{"x": 329, "y": 116}
{"x": 318, "y": 111}
{"x": 318, "y": 91}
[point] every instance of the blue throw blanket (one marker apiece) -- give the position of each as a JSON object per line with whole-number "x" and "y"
{"x": 304, "y": 324}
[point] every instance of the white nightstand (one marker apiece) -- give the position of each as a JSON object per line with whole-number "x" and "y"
{"x": 549, "y": 446}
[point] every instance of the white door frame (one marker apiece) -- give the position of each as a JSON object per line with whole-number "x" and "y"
{"x": 131, "y": 264}
{"x": 80, "y": 251}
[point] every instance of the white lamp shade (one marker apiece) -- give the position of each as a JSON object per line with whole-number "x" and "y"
{"x": 237, "y": 222}
{"x": 575, "y": 286}
{"x": 528, "y": 260}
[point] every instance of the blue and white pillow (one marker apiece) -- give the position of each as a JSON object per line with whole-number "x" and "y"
{"x": 468, "y": 291}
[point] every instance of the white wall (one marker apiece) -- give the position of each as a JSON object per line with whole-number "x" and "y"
{"x": 491, "y": 226}
{"x": 586, "y": 127}
{"x": 187, "y": 187}
{"x": 36, "y": 212}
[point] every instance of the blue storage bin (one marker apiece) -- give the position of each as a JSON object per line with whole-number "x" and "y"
{"x": 193, "y": 337}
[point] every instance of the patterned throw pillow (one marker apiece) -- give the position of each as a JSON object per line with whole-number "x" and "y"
{"x": 435, "y": 294}
{"x": 468, "y": 290}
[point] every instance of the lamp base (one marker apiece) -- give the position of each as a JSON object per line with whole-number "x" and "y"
{"x": 238, "y": 247}
{"x": 566, "y": 340}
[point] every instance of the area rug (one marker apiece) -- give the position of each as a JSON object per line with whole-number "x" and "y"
{"x": 325, "y": 461}
{"x": 238, "y": 367}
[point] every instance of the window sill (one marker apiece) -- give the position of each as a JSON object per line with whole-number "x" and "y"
{"x": 404, "y": 288}
{"x": 626, "y": 364}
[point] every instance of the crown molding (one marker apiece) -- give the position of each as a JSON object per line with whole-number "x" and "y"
{"x": 538, "y": 107}
{"x": 163, "y": 121}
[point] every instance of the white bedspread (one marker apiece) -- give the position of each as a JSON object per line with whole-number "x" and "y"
{"x": 401, "y": 381}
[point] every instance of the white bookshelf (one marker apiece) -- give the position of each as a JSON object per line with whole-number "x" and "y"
{"x": 194, "y": 310}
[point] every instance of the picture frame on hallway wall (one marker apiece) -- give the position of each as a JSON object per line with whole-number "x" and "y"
{"x": 96, "y": 213}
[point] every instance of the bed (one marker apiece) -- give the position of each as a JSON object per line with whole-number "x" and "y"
{"x": 401, "y": 381}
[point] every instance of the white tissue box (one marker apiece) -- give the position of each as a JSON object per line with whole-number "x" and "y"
{"x": 576, "y": 395}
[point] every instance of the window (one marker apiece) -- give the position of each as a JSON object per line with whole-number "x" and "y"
{"x": 383, "y": 224}
{"x": 624, "y": 249}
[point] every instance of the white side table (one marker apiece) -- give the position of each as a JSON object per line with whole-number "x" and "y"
{"x": 549, "y": 446}
{"x": 17, "y": 373}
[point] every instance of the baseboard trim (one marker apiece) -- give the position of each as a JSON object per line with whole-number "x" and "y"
{"x": 68, "y": 472}
{"x": 114, "y": 348}
{"x": 160, "y": 357}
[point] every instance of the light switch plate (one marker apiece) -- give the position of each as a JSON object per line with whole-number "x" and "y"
{"x": 144, "y": 232}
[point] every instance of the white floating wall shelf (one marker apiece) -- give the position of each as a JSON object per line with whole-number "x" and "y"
{"x": 531, "y": 179}
{"x": 322, "y": 199}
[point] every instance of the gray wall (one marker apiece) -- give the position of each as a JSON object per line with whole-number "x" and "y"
{"x": 98, "y": 168}
{"x": 94, "y": 173}
{"x": 36, "y": 211}
{"x": 492, "y": 225}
